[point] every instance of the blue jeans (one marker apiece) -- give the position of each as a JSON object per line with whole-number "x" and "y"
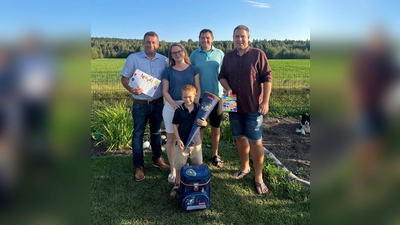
{"x": 248, "y": 125}
{"x": 141, "y": 113}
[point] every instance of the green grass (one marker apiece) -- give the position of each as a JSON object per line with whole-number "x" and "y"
{"x": 118, "y": 199}
{"x": 289, "y": 102}
{"x": 290, "y": 73}
{"x": 114, "y": 124}
{"x": 290, "y": 95}
{"x": 287, "y": 73}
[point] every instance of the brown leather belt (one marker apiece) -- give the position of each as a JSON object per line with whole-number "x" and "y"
{"x": 146, "y": 102}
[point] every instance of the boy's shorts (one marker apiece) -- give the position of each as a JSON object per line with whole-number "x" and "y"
{"x": 215, "y": 117}
{"x": 248, "y": 125}
{"x": 193, "y": 152}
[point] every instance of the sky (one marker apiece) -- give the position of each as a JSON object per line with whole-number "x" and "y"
{"x": 353, "y": 19}
{"x": 176, "y": 20}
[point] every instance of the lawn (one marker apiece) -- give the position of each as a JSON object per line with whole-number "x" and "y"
{"x": 287, "y": 73}
{"x": 290, "y": 96}
{"x": 118, "y": 199}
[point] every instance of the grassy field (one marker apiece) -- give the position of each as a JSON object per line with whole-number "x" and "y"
{"x": 116, "y": 198}
{"x": 286, "y": 73}
{"x": 290, "y": 94}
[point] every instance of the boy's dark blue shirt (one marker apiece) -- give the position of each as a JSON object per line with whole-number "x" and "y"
{"x": 185, "y": 119}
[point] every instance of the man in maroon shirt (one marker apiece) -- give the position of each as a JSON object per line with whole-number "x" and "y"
{"x": 245, "y": 71}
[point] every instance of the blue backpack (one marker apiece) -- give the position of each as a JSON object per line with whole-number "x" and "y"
{"x": 195, "y": 187}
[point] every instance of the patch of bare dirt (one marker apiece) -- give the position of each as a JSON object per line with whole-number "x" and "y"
{"x": 99, "y": 149}
{"x": 291, "y": 148}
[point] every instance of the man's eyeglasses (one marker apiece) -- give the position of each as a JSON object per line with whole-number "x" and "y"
{"x": 176, "y": 53}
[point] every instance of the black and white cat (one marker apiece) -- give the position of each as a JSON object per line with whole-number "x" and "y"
{"x": 304, "y": 126}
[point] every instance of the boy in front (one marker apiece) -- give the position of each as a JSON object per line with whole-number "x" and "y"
{"x": 182, "y": 123}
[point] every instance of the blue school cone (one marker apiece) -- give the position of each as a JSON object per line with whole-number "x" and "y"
{"x": 208, "y": 102}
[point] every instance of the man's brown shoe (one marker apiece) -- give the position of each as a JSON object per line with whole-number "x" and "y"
{"x": 139, "y": 174}
{"x": 161, "y": 164}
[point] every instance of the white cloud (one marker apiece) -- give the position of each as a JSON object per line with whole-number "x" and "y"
{"x": 258, "y": 4}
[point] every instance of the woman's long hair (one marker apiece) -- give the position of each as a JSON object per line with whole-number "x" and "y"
{"x": 185, "y": 57}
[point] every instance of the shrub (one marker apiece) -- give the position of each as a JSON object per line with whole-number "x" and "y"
{"x": 114, "y": 122}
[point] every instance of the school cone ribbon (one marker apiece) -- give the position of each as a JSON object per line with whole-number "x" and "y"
{"x": 208, "y": 102}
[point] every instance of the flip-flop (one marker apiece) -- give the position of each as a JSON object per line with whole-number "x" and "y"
{"x": 175, "y": 191}
{"x": 217, "y": 161}
{"x": 261, "y": 188}
{"x": 171, "y": 179}
{"x": 240, "y": 174}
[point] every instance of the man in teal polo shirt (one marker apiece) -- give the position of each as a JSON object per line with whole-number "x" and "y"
{"x": 209, "y": 59}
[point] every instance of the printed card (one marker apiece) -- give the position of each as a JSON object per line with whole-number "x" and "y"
{"x": 229, "y": 103}
{"x": 148, "y": 83}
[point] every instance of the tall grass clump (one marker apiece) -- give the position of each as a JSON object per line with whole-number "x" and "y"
{"x": 282, "y": 186}
{"x": 114, "y": 122}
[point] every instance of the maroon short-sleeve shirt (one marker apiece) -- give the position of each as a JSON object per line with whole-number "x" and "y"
{"x": 246, "y": 75}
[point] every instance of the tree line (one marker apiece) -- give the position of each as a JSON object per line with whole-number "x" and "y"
{"x": 274, "y": 49}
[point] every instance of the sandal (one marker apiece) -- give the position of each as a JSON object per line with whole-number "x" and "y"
{"x": 261, "y": 188}
{"x": 240, "y": 174}
{"x": 216, "y": 160}
{"x": 175, "y": 191}
{"x": 171, "y": 179}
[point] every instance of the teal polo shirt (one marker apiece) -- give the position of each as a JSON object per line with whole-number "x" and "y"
{"x": 209, "y": 64}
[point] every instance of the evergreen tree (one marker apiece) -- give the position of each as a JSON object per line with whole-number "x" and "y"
{"x": 274, "y": 49}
